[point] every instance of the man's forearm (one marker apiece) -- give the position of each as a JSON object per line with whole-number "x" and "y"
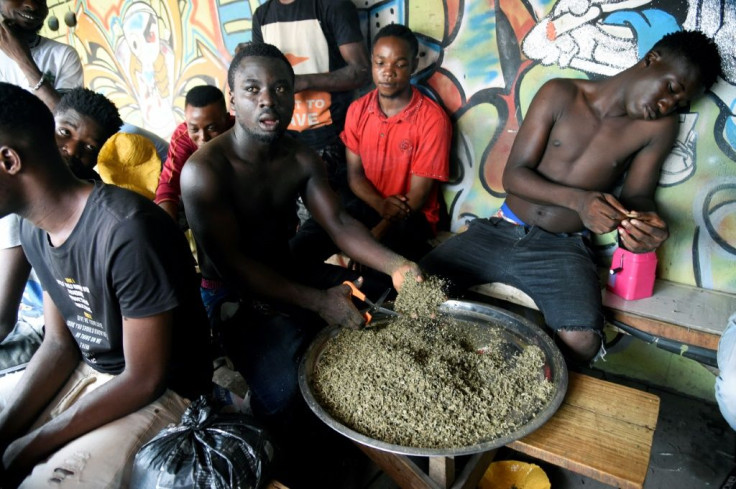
{"x": 346, "y": 78}
{"x": 116, "y": 399}
{"x": 640, "y": 204}
{"x": 171, "y": 208}
{"x": 42, "y": 88}
{"x": 379, "y": 230}
{"x": 48, "y": 95}
{"x": 255, "y": 278}
{"x": 359, "y": 244}
{"x": 366, "y": 191}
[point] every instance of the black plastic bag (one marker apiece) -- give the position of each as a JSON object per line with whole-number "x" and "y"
{"x": 206, "y": 450}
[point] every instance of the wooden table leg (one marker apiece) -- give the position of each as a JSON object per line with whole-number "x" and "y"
{"x": 408, "y": 475}
{"x": 473, "y": 471}
{"x": 400, "y": 468}
{"x": 442, "y": 471}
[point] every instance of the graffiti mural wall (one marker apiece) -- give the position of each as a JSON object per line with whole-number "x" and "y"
{"x": 483, "y": 60}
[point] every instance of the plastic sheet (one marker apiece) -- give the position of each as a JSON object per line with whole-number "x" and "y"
{"x": 208, "y": 449}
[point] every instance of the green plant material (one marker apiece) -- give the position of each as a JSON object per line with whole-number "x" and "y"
{"x": 430, "y": 382}
{"x": 410, "y": 386}
{"x": 421, "y": 299}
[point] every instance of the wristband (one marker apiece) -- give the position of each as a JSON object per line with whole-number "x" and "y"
{"x": 38, "y": 85}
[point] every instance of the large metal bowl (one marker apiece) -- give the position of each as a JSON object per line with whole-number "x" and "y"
{"x": 517, "y": 331}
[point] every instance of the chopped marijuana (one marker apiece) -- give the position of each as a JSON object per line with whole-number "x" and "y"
{"x": 430, "y": 381}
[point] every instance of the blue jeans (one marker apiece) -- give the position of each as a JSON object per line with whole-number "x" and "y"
{"x": 265, "y": 345}
{"x": 19, "y": 346}
{"x": 726, "y": 380}
{"x": 265, "y": 342}
{"x": 557, "y": 271}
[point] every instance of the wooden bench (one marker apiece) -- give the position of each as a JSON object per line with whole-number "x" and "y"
{"x": 602, "y": 430}
{"x": 686, "y": 314}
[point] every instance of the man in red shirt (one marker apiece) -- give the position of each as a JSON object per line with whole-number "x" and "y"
{"x": 205, "y": 116}
{"x": 398, "y": 143}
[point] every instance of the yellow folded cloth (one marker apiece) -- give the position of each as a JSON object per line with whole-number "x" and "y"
{"x": 130, "y": 161}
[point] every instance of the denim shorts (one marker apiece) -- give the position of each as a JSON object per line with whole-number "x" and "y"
{"x": 557, "y": 271}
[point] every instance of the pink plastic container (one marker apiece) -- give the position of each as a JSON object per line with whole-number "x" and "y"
{"x": 632, "y": 274}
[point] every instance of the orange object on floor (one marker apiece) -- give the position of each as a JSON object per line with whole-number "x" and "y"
{"x": 511, "y": 474}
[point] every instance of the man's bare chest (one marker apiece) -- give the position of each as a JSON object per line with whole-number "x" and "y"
{"x": 593, "y": 147}
{"x": 263, "y": 196}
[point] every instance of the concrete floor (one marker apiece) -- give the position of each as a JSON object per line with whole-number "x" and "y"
{"x": 693, "y": 446}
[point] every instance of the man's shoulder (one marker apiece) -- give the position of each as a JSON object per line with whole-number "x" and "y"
{"x": 563, "y": 86}
{"x": 558, "y": 94}
{"x": 109, "y": 211}
{"x": 46, "y": 44}
{"x": 181, "y": 134}
{"x": 324, "y": 4}
{"x": 333, "y": 3}
{"x": 260, "y": 11}
{"x": 118, "y": 215}
{"x": 116, "y": 202}
{"x": 660, "y": 132}
{"x": 311, "y": 7}
{"x": 364, "y": 102}
{"x": 431, "y": 108}
{"x": 206, "y": 155}
{"x": 213, "y": 157}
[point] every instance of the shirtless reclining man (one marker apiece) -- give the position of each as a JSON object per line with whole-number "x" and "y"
{"x": 577, "y": 140}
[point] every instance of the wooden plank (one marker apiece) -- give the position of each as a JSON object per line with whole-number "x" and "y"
{"x": 400, "y": 468}
{"x": 442, "y": 471}
{"x": 668, "y": 330}
{"x": 591, "y": 435}
{"x": 613, "y": 400}
{"x": 683, "y": 305}
{"x": 675, "y": 311}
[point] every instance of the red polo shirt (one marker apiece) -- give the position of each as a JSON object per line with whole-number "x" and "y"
{"x": 181, "y": 148}
{"x": 416, "y": 141}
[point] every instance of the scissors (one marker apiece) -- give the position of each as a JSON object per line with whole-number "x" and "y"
{"x": 374, "y": 307}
